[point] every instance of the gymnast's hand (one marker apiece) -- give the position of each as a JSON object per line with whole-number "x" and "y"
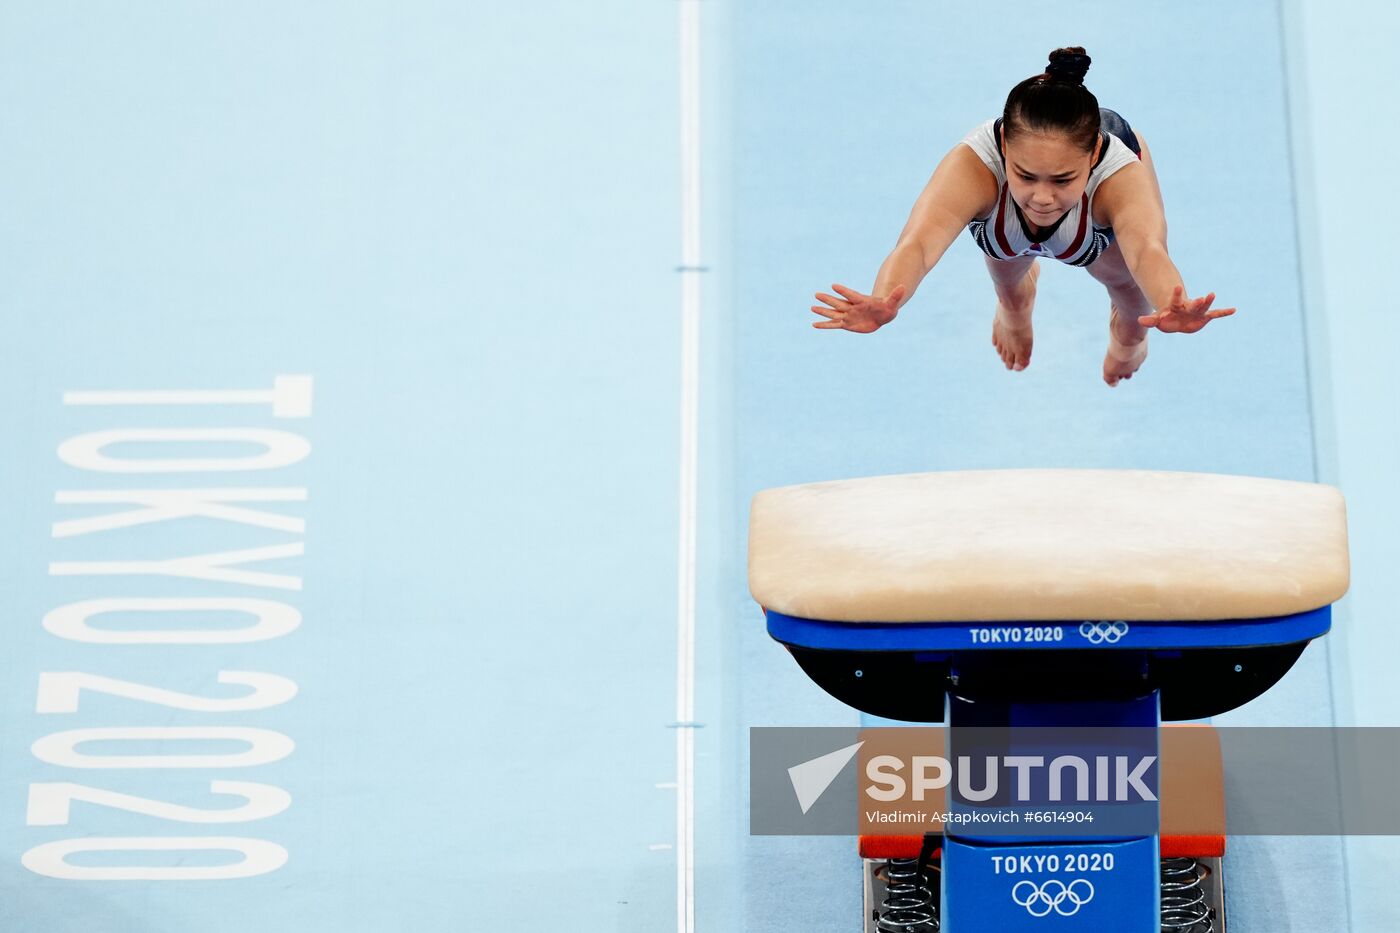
{"x": 863, "y": 314}
{"x": 1183, "y": 316}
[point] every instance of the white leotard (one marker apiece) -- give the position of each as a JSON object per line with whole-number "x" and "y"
{"x": 1004, "y": 233}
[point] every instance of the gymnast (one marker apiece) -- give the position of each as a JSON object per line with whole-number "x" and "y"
{"x": 1057, "y": 177}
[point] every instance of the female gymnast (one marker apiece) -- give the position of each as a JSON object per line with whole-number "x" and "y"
{"x": 1058, "y": 177}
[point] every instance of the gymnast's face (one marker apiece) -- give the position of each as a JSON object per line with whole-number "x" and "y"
{"x": 1046, "y": 173}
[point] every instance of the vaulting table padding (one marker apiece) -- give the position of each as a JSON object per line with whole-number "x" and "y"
{"x": 1006, "y": 545}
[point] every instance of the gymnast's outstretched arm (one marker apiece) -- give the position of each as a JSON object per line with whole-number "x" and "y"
{"x": 1130, "y": 203}
{"x": 961, "y": 189}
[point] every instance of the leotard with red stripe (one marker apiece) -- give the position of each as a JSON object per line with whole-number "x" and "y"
{"x": 1073, "y": 239}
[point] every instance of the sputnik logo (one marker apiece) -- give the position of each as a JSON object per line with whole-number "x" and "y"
{"x": 811, "y": 778}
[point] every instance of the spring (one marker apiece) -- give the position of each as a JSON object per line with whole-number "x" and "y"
{"x": 1184, "y": 907}
{"x": 909, "y": 905}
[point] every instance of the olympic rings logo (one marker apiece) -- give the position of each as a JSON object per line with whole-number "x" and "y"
{"x": 1100, "y": 633}
{"x": 1054, "y": 894}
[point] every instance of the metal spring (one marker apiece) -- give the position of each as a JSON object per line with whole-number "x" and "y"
{"x": 909, "y": 905}
{"x": 1184, "y": 907}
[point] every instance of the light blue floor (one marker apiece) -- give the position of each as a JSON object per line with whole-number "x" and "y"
{"x": 418, "y": 207}
{"x": 836, "y": 144}
{"x": 1340, "y": 69}
{"x": 464, "y": 223}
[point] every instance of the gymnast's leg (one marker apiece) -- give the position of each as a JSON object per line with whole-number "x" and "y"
{"x": 1014, "y": 281}
{"x": 1127, "y": 339}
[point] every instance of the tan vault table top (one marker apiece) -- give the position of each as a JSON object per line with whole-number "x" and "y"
{"x": 1005, "y": 545}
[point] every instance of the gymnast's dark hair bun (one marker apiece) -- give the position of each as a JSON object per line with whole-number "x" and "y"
{"x": 1069, "y": 64}
{"x": 1055, "y": 101}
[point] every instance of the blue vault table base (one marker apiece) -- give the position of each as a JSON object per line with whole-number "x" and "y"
{"x": 1065, "y": 674}
{"x": 901, "y": 896}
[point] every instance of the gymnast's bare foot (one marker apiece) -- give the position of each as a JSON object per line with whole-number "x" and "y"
{"x": 1011, "y": 330}
{"x": 1127, "y": 349}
